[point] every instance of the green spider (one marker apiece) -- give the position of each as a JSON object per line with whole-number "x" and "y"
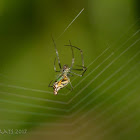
{"x": 66, "y": 72}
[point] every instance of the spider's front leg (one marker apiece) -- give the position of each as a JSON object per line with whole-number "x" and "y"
{"x": 55, "y": 66}
{"x": 84, "y": 69}
{"x": 57, "y": 58}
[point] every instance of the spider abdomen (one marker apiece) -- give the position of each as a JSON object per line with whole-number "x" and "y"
{"x": 60, "y": 83}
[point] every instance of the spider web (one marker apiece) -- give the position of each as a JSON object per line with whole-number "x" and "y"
{"x": 87, "y": 103}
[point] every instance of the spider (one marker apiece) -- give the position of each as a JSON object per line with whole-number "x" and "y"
{"x": 66, "y": 72}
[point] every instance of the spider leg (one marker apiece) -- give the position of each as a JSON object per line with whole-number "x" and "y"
{"x": 83, "y": 69}
{"x": 50, "y": 84}
{"x": 57, "y": 56}
{"x": 71, "y": 85}
{"x": 72, "y": 54}
{"x": 82, "y": 57}
{"x": 55, "y": 66}
{"x": 69, "y": 89}
{"x": 77, "y": 74}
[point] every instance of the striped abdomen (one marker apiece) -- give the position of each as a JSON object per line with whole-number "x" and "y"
{"x": 60, "y": 84}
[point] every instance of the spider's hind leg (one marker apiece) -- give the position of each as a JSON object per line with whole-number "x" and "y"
{"x": 50, "y": 84}
{"x": 71, "y": 85}
{"x": 69, "y": 88}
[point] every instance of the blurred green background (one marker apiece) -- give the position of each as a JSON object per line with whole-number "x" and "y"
{"x": 104, "y": 104}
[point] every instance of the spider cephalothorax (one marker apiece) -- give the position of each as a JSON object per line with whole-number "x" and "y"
{"x": 66, "y": 69}
{"x": 63, "y": 79}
